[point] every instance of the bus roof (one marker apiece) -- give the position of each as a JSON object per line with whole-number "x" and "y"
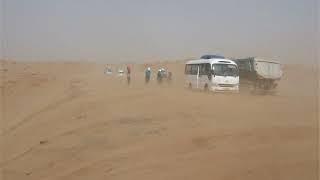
{"x": 210, "y": 56}
{"x": 211, "y": 61}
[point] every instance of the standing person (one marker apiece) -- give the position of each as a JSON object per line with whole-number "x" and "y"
{"x": 147, "y": 75}
{"x": 169, "y": 76}
{"x": 159, "y": 76}
{"x": 128, "y": 74}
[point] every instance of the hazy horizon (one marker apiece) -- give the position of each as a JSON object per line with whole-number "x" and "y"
{"x": 122, "y": 31}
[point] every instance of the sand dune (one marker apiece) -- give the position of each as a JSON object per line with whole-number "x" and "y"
{"x": 70, "y": 121}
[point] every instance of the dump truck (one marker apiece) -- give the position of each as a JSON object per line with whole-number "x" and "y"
{"x": 259, "y": 74}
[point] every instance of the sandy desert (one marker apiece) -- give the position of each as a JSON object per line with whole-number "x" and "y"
{"x": 70, "y": 121}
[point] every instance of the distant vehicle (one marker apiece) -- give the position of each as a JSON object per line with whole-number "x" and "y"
{"x": 214, "y": 73}
{"x": 120, "y": 72}
{"x": 108, "y": 71}
{"x": 259, "y": 74}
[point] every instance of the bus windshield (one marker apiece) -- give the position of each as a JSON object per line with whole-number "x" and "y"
{"x": 225, "y": 70}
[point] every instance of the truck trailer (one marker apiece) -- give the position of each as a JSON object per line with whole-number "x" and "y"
{"x": 259, "y": 74}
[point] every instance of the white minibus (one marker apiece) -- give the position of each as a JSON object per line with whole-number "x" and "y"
{"x": 212, "y": 73}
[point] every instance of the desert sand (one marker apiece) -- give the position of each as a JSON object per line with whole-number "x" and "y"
{"x": 70, "y": 121}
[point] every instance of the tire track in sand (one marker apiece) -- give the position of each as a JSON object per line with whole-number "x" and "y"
{"x": 75, "y": 90}
{"x": 30, "y": 117}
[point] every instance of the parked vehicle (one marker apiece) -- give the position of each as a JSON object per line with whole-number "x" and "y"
{"x": 259, "y": 74}
{"x": 214, "y": 73}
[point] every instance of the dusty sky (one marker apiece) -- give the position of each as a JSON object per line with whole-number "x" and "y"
{"x": 146, "y": 30}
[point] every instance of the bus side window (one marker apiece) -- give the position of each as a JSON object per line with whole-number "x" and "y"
{"x": 194, "y": 69}
{"x": 208, "y": 69}
{"x": 204, "y": 69}
{"x": 188, "y": 69}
